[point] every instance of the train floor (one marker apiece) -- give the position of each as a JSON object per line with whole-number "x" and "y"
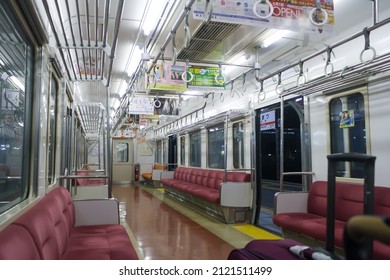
{"x": 163, "y": 229}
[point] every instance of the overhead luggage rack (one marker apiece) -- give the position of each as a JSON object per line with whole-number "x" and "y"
{"x": 195, "y": 120}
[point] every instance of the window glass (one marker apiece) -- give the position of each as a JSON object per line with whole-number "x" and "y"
{"x": 159, "y": 152}
{"x": 122, "y": 152}
{"x": 348, "y": 131}
{"x": 79, "y": 158}
{"x": 183, "y": 150}
{"x": 15, "y": 99}
{"x": 52, "y": 129}
{"x": 269, "y": 129}
{"x": 82, "y": 152}
{"x": 66, "y": 143}
{"x": 238, "y": 145}
{"x": 195, "y": 149}
{"x": 216, "y": 147}
{"x": 165, "y": 151}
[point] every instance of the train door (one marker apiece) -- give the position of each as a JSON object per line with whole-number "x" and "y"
{"x": 278, "y": 162}
{"x": 172, "y": 152}
{"x": 123, "y": 161}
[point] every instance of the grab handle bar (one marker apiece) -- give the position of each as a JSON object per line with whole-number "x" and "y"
{"x": 309, "y": 173}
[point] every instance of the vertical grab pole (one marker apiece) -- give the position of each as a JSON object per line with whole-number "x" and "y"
{"x": 281, "y": 153}
{"x": 331, "y": 192}
{"x": 253, "y": 152}
{"x": 99, "y": 161}
{"x": 375, "y": 11}
{"x": 109, "y": 141}
{"x": 104, "y": 129}
{"x": 226, "y": 148}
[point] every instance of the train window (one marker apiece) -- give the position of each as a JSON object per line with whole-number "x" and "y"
{"x": 195, "y": 149}
{"x": 158, "y": 152}
{"x": 122, "y": 152}
{"x": 182, "y": 150}
{"x": 165, "y": 151}
{"x": 238, "y": 145}
{"x": 216, "y": 147}
{"x": 348, "y": 131}
{"x": 79, "y": 144}
{"x": 15, "y": 100}
{"x": 66, "y": 152}
{"x": 52, "y": 128}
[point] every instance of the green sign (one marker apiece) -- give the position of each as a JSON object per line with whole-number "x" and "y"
{"x": 205, "y": 76}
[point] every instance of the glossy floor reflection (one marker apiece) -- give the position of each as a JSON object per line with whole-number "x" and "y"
{"x": 165, "y": 230}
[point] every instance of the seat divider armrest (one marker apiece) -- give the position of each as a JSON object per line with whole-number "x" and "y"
{"x": 236, "y": 194}
{"x": 96, "y": 211}
{"x": 287, "y": 202}
{"x": 167, "y": 175}
{"x": 156, "y": 174}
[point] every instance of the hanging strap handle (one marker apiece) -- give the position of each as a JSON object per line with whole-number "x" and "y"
{"x": 329, "y": 68}
{"x": 301, "y": 80}
{"x": 367, "y": 47}
{"x": 314, "y": 16}
{"x": 279, "y": 87}
{"x": 261, "y": 94}
{"x": 265, "y": 11}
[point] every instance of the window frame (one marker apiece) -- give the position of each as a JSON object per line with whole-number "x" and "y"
{"x": 158, "y": 152}
{"x": 28, "y": 176}
{"x": 182, "y": 150}
{"x": 221, "y": 165}
{"x": 363, "y": 90}
{"x": 52, "y": 129}
{"x": 124, "y": 153}
{"x": 242, "y": 146}
{"x": 191, "y": 161}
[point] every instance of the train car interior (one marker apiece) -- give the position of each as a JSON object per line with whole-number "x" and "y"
{"x": 185, "y": 129}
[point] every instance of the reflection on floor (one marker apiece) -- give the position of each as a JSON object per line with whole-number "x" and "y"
{"x": 165, "y": 229}
{"x": 267, "y": 224}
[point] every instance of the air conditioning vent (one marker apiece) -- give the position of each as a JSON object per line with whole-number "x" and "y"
{"x": 206, "y": 38}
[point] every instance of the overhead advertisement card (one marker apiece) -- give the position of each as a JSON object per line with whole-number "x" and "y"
{"x": 142, "y": 105}
{"x": 165, "y": 76}
{"x": 295, "y": 15}
{"x": 205, "y": 76}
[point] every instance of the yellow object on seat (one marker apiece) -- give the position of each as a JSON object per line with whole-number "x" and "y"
{"x": 148, "y": 176}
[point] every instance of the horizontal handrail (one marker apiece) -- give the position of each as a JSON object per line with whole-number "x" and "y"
{"x": 240, "y": 169}
{"x": 309, "y": 173}
{"x": 84, "y": 177}
{"x": 10, "y": 178}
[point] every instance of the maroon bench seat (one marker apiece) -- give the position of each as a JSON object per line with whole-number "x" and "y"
{"x": 47, "y": 231}
{"x": 203, "y": 183}
{"x": 203, "y": 188}
{"x": 88, "y": 181}
{"x": 348, "y": 203}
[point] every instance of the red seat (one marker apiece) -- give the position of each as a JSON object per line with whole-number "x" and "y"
{"x": 47, "y": 232}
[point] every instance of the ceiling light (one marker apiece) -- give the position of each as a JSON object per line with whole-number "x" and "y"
{"x": 154, "y": 13}
{"x": 276, "y": 36}
{"x": 135, "y": 59}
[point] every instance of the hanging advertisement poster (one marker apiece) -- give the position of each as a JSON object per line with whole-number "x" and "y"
{"x": 267, "y": 121}
{"x": 148, "y": 120}
{"x": 142, "y": 105}
{"x": 205, "y": 76}
{"x": 166, "y": 76}
{"x": 167, "y": 106}
{"x": 347, "y": 119}
{"x": 295, "y": 15}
